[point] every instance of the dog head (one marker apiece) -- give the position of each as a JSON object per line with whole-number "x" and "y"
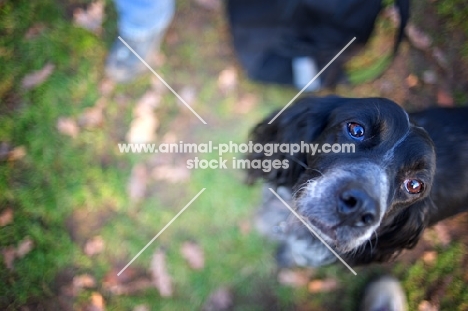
{"x": 375, "y": 191}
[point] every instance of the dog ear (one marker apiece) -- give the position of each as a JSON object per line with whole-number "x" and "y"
{"x": 302, "y": 122}
{"x": 402, "y": 231}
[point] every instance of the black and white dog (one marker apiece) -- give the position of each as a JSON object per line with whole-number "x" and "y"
{"x": 407, "y": 172}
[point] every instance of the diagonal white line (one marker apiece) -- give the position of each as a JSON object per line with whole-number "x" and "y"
{"x": 162, "y": 80}
{"x": 313, "y": 79}
{"x": 162, "y": 230}
{"x": 313, "y": 231}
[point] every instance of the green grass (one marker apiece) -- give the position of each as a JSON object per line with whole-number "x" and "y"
{"x": 60, "y": 177}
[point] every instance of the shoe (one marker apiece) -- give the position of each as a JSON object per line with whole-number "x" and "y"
{"x": 304, "y": 70}
{"x": 384, "y": 294}
{"x": 123, "y": 66}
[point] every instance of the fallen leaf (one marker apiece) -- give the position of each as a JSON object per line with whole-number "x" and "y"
{"x": 189, "y": 95}
{"x": 440, "y": 58}
{"x": 418, "y": 38}
{"x": 68, "y": 126}
{"x": 17, "y": 153}
{"x": 427, "y": 306}
{"x": 94, "y": 246}
{"x": 91, "y": 18}
{"x": 169, "y": 138}
{"x": 444, "y": 98}
{"x": 131, "y": 288}
{"x": 157, "y": 85}
{"x": 106, "y": 86}
{"x": 245, "y": 104}
{"x": 429, "y": 77}
{"x": 6, "y": 217}
{"x": 24, "y": 247}
{"x": 112, "y": 280}
{"x": 170, "y": 173}
{"x": 138, "y": 183}
{"x": 227, "y": 79}
{"x": 143, "y": 129}
{"x": 9, "y": 254}
{"x": 194, "y": 255}
{"x": 141, "y": 308}
{"x": 37, "y": 77}
{"x": 91, "y": 117}
{"x": 412, "y": 80}
{"x": 96, "y": 302}
{"x": 322, "y": 286}
{"x": 160, "y": 277}
{"x": 429, "y": 257}
{"x": 84, "y": 281}
{"x": 147, "y": 103}
{"x": 219, "y": 300}
{"x": 293, "y": 278}
{"x": 35, "y": 30}
{"x": 442, "y": 234}
{"x": 214, "y": 5}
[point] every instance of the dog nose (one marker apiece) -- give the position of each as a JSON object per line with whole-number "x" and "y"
{"x": 357, "y": 208}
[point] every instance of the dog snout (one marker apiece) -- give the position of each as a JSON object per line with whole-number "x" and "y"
{"x": 357, "y": 208}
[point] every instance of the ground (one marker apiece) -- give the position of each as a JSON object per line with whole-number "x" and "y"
{"x": 74, "y": 210}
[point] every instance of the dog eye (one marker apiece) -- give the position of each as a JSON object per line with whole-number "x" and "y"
{"x": 356, "y": 130}
{"x": 414, "y": 186}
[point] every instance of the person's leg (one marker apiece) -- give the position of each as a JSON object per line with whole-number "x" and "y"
{"x": 142, "y": 24}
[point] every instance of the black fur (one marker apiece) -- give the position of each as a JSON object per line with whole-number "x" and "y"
{"x": 431, "y": 145}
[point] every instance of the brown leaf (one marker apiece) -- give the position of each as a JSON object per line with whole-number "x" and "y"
{"x": 245, "y": 104}
{"x": 427, "y": 306}
{"x": 171, "y": 173}
{"x": 147, "y": 103}
{"x": 138, "y": 183}
{"x": 17, "y": 153}
{"x": 429, "y": 257}
{"x": 9, "y": 254}
{"x": 37, "y": 77}
{"x": 24, "y": 247}
{"x": 67, "y": 126}
{"x": 293, "y": 278}
{"x": 106, "y": 86}
{"x": 91, "y": 18}
{"x": 6, "y": 217}
{"x": 96, "y": 302}
{"x": 143, "y": 129}
{"x": 429, "y": 77}
{"x": 34, "y": 31}
{"x": 189, "y": 95}
{"x": 213, "y": 5}
{"x": 418, "y": 38}
{"x": 84, "y": 281}
{"x": 322, "y": 286}
{"x": 113, "y": 282}
{"x": 412, "y": 80}
{"x": 91, "y": 117}
{"x": 131, "y": 288}
{"x": 141, "y": 308}
{"x": 219, "y": 300}
{"x": 161, "y": 278}
{"x": 194, "y": 255}
{"x": 442, "y": 234}
{"x": 227, "y": 79}
{"x": 444, "y": 98}
{"x": 94, "y": 246}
